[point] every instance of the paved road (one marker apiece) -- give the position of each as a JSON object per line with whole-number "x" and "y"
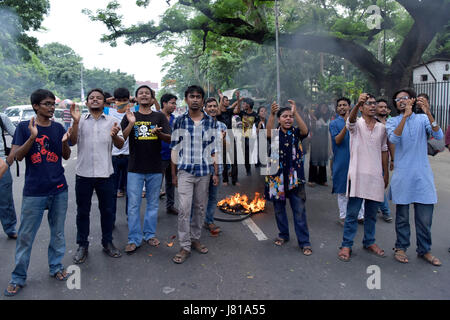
{"x": 239, "y": 266}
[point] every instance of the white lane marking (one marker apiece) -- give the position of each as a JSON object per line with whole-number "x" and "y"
{"x": 255, "y": 229}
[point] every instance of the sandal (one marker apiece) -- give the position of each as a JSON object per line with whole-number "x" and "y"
{"x": 431, "y": 259}
{"x": 211, "y": 227}
{"x": 307, "y": 251}
{"x": 12, "y": 290}
{"x": 345, "y": 254}
{"x": 197, "y": 246}
{"x": 280, "y": 241}
{"x": 154, "y": 242}
{"x": 376, "y": 250}
{"x": 131, "y": 248}
{"x": 400, "y": 255}
{"x": 61, "y": 275}
{"x": 181, "y": 256}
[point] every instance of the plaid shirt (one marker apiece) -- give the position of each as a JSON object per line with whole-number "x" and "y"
{"x": 195, "y": 144}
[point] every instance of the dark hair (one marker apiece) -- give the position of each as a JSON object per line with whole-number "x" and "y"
{"x": 211, "y": 99}
{"x": 225, "y": 97}
{"x": 343, "y": 99}
{"x": 282, "y": 110}
{"x": 318, "y": 113}
{"x": 166, "y": 98}
{"x": 121, "y": 93}
{"x": 261, "y": 107}
{"x": 385, "y": 101}
{"x": 41, "y": 94}
{"x": 144, "y": 86}
{"x": 249, "y": 101}
{"x": 192, "y": 89}
{"x": 107, "y": 95}
{"x": 424, "y": 95}
{"x": 411, "y": 93}
{"x": 96, "y": 90}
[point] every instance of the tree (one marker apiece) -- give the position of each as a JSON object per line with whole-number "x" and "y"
{"x": 329, "y": 26}
{"x": 64, "y": 67}
{"x": 108, "y": 80}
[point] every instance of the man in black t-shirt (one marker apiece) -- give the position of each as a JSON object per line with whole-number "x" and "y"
{"x": 146, "y": 129}
{"x": 249, "y": 118}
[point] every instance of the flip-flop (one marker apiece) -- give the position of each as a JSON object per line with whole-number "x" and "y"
{"x": 154, "y": 242}
{"x": 64, "y": 277}
{"x": 17, "y": 289}
{"x": 340, "y": 257}
{"x": 433, "y": 260}
{"x": 280, "y": 242}
{"x": 197, "y": 246}
{"x": 307, "y": 251}
{"x": 373, "y": 249}
{"x": 181, "y": 256}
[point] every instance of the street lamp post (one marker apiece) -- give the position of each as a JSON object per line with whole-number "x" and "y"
{"x": 277, "y": 53}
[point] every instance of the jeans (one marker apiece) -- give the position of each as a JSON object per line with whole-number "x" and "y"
{"x": 120, "y": 165}
{"x": 32, "y": 212}
{"x": 7, "y": 210}
{"x": 384, "y": 207}
{"x": 84, "y": 189}
{"x": 351, "y": 222}
{"x": 152, "y": 183}
{"x": 67, "y": 125}
{"x": 170, "y": 188}
{"x": 300, "y": 223}
{"x": 212, "y": 202}
{"x": 423, "y": 216}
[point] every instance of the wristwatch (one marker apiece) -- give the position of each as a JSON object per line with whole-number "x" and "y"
{"x": 434, "y": 124}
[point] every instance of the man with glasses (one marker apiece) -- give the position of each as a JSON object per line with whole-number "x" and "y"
{"x": 413, "y": 181}
{"x": 368, "y": 162}
{"x": 42, "y": 143}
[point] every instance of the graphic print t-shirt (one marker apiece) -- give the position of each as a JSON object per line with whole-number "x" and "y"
{"x": 248, "y": 119}
{"x": 44, "y": 174}
{"x": 145, "y": 148}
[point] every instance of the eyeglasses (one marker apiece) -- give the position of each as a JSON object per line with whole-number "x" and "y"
{"x": 401, "y": 98}
{"x": 47, "y": 104}
{"x": 371, "y": 103}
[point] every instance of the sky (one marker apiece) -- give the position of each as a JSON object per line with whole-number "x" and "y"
{"x": 67, "y": 25}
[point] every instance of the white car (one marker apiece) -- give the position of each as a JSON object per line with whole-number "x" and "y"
{"x": 15, "y": 113}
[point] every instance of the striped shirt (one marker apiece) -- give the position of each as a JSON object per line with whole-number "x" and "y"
{"x": 195, "y": 143}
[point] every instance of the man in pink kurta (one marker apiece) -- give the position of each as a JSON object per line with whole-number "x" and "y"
{"x": 368, "y": 174}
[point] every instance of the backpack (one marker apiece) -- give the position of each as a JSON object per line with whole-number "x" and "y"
{"x": 7, "y": 149}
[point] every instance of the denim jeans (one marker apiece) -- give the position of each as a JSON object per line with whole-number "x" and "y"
{"x": 351, "y": 221}
{"x": 32, "y": 212}
{"x": 84, "y": 189}
{"x": 423, "y": 216}
{"x": 384, "y": 207}
{"x": 212, "y": 202}
{"x": 152, "y": 183}
{"x": 170, "y": 188}
{"x": 300, "y": 223}
{"x": 120, "y": 165}
{"x": 7, "y": 210}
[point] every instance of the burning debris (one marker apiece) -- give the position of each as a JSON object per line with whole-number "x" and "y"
{"x": 238, "y": 204}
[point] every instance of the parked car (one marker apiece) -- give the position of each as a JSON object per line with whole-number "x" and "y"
{"x": 14, "y": 113}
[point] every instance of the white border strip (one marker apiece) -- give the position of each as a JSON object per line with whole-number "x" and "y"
{"x": 255, "y": 229}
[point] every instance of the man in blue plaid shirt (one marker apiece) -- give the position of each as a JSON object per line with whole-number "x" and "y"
{"x": 193, "y": 141}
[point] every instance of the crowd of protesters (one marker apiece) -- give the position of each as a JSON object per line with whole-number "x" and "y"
{"x": 128, "y": 145}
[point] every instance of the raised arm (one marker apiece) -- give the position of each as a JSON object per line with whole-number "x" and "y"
{"x": 22, "y": 151}
{"x": 341, "y": 136}
{"x": 76, "y": 116}
{"x": 301, "y": 124}
{"x": 131, "y": 121}
{"x": 271, "y": 121}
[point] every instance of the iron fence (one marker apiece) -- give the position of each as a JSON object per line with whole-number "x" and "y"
{"x": 439, "y": 93}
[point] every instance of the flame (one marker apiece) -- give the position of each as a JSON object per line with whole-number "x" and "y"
{"x": 238, "y": 203}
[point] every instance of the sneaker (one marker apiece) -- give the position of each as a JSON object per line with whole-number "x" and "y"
{"x": 172, "y": 210}
{"x": 341, "y": 222}
{"x": 387, "y": 218}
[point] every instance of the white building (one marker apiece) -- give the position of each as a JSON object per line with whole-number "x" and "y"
{"x": 433, "y": 78}
{"x": 440, "y": 69}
